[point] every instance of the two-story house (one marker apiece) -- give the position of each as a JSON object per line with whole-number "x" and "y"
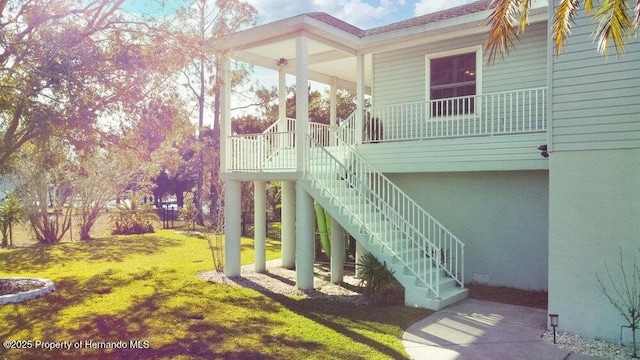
{"x": 443, "y": 177}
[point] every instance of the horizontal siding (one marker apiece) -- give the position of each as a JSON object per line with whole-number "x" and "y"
{"x": 595, "y": 99}
{"x": 490, "y": 153}
{"x": 525, "y": 67}
{"x": 399, "y": 75}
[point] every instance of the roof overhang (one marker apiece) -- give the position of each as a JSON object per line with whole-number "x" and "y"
{"x": 332, "y": 48}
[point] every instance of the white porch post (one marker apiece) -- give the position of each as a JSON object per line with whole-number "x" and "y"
{"x": 333, "y": 110}
{"x": 282, "y": 99}
{"x": 337, "y": 252}
{"x": 233, "y": 228}
{"x": 305, "y": 226}
{"x": 260, "y": 225}
{"x": 225, "y": 116}
{"x": 304, "y": 202}
{"x": 359, "y": 97}
{"x": 302, "y": 101}
{"x": 288, "y": 215}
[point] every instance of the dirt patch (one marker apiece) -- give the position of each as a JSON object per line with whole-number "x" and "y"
{"x": 507, "y": 295}
{"x": 15, "y": 286}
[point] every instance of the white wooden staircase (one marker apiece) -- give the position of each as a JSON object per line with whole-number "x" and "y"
{"x": 425, "y": 257}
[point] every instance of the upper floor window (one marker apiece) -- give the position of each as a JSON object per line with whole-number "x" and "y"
{"x": 452, "y": 84}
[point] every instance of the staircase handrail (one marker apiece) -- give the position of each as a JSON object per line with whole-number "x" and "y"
{"x": 346, "y": 130}
{"x": 451, "y": 263}
{"x": 273, "y": 128}
{"x": 457, "y": 273}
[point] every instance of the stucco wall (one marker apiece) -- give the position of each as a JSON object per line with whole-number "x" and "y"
{"x": 594, "y": 210}
{"x": 502, "y": 217}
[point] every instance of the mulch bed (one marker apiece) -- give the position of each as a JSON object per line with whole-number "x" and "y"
{"x": 507, "y": 295}
{"x": 14, "y": 286}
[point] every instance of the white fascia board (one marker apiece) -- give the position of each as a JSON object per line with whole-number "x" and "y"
{"x": 437, "y": 31}
{"x": 288, "y": 28}
{"x": 331, "y": 33}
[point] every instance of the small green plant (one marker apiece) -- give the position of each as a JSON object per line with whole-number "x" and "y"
{"x": 189, "y": 213}
{"x": 625, "y": 296}
{"x": 378, "y": 281}
{"x": 132, "y": 217}
{"x": 10, "y": 212}
{"x": 214, "y": 235}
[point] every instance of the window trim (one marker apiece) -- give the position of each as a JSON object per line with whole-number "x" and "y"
{"x": 429, "y": 56}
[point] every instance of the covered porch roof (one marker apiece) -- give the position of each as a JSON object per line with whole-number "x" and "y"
{"x": 333, "y": 45}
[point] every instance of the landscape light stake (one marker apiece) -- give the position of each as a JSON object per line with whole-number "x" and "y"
{"x": 554, "y": 323}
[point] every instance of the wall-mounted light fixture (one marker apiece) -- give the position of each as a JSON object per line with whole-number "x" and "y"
{"x": 282, "y": 62}
{"x": 543, "y": 150}
{"x": 553, "y": 319}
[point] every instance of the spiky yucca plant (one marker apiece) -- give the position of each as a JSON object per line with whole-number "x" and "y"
{"x": 378, "y": 281}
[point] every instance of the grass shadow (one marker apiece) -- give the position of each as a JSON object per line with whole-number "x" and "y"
{"x": 115, "y": 249}
{"x": 345, "y": 319}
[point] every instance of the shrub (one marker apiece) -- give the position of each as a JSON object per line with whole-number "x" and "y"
{"x": 132, "y": 225}
{"x": 133, "y": 218}
{"x": 378, "y": 281}
{"x": 625, "y": 295}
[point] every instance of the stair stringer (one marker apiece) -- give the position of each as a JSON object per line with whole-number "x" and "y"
{"x": 417, "y": 293}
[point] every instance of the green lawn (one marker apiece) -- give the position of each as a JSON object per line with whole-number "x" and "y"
{"x": 122, "y": 289}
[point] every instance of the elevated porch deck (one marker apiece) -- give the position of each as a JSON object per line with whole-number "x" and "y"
{"x": 498, "y": 131}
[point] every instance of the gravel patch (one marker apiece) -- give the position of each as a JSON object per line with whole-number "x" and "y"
{"x": 587, "y": 346}
{"x": 283, "y": 281}
{"x": 17, "y": 285}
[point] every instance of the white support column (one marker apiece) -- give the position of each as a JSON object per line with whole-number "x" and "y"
{"x": 359, "y": 126}
{"x": 288, "y": 215}
{"x": 282, "y": 99}
{"x": 260, "y": 225}
{"x": 302, "y": 101}
{"x": 337, "y": 252}
{"x": 333, "y": 110}
{"x": 233, "y": 228}
{"x": 225, "y": 116}
{"x": 360, "y": 252}
{"x": 305, "y": 229}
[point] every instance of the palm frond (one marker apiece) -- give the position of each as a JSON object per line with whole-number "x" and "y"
{"x": 563, "y": 17}
{"x": 614, "y": 24}
{"x": 524, "y": 11}
{"x": 588, "y": 6}
{"x": 502, "y": 23}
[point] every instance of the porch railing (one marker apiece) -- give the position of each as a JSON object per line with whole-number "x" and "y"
{"x": 513, "y": 112}
{"x": 272, "y": 149}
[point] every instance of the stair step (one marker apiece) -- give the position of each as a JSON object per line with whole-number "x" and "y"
{"x": 371, "y": 229}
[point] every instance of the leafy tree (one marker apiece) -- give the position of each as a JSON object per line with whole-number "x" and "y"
{"x": 67, "y": 64}
{"x": 319, "y": 105}
{"x": 45, "y": 186}
{"x": 159, "y": 140}
{"x": 100, "y": 180}
{"x": 249, "y": 124}
{"x": 617, "y": 23}
{"x": 205, "y": 20}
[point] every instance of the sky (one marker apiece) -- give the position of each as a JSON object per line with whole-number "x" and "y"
{"x": 364, "y": 14}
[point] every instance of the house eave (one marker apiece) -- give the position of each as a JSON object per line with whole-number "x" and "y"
{"x": 457, "y": 27}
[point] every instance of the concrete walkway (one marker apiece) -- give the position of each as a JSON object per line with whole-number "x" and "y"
{"x": 476, "y": 329}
